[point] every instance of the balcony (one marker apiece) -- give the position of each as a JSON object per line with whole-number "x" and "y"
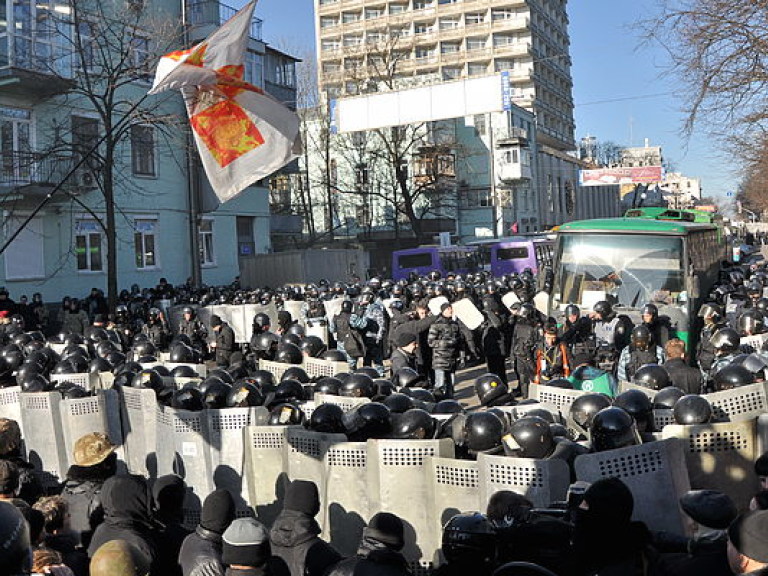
{"x": 29, "y": 67}
{"x": 205, "y": 15}
{"x": 27, "y": 177}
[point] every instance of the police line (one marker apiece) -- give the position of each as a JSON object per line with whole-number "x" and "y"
{"x": 420, "y": 480}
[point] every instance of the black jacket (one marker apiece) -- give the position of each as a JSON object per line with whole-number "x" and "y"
{"x": 492, "y": 335}
{"x": 169, "y": 535}
{"x": 73, "y": 556}
{"x": 444, "y": 339}
{"x": 82, "y": 492}
{"x": 421, "y": 329}
{"x": 127, "y": 516}
{"x": 684, "y": 376}
{"x": 201, "y": 554}
{"x": 296, "y": 547}
{"x": 225, "y": 344}
{"x": 372, "y": 559}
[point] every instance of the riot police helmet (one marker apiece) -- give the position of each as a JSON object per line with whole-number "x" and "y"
{"x": 483, "y": 432}
{"x": 489, "y": 388}
{"x": 296, "y": 373}
{"x": 725, "y": 340}
{"x": 640, "y": 337}
{"x": 187, "y": 398}
{"x": 407, "y": 377}
{"x": 286, "y": 415}
{"x": 358, "y": 385}
{"x": 613, "y": 428}
{"x": 215, "y": 395}
{"x": 413, "y": 424}
{"x": 289, "y": 391}
{"x": 603, "y": 308}
{"x": 638, "y": 405}
{"x": 398, "y": 403}
{"x": 312, "y": 346}
{"x": 327, "y": 418}
{"x": 653, "y": 376}
{"x": 692, "y": 409}
{"x": 469, "y": 539}
{"x": 448, "y": 406}
{"x": 328, "y": 385}
{"x": 531, "y": 437}
{"x": 667, "y": 397}
{"x": 288, "y": 354}
{"x": 366, "y": 421}
{"x": 732, "y": 376}
{"x": 584, "y": 408}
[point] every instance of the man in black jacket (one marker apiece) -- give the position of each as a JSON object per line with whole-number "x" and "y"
{"x": 168, "y": 498}
{"x": 379, "y": 550}
{"x": 683, "y": 376}
{"x": 297, "y": 549}
{"x": 444, "y": 339}
{"x": 420, "y": 327}
{"x": 201, "y": 551}
{"x": 403, "y": 354}
{"x": 224, "y": 344}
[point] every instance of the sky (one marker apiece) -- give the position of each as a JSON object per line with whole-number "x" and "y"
{"x": 620, "y": 90}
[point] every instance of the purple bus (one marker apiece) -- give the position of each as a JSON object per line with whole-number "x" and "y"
{"x": 424, "y": 259}
{"x": 512, "y": 255}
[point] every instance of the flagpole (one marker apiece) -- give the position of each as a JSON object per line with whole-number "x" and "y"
{"x": 67, "y": 176}
{"x": 193, "y": 184}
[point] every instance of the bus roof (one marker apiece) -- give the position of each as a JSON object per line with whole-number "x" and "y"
{"x": 685, "y": 215}
{"x": 635, "y": 226}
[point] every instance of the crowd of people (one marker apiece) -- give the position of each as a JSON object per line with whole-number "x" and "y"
{"x": 404, "y": 344}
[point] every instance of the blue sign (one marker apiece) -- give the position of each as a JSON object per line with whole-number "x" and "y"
{"x": 332, "y": 111}
{"x": 506, "y": 92}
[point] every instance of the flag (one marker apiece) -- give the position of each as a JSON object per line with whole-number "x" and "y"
{"x": 241, "y": 133}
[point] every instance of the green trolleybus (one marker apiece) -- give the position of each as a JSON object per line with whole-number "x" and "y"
{"x": 633, "y": 261}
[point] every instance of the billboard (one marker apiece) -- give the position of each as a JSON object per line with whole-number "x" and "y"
{"x": 633, "y": 175}
{"x": 423, "y": 104}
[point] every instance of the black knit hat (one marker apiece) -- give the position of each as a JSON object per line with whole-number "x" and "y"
{"x": 302, "y": 496}
{"x": 215, "y": 321}
{"x": 245, "y": 543}
{"x": 387, "y": 529}
{"x": 168, "y": 493}
{"x": 402, "y": 339}
{"x": 218, "y": 511}
{"x": 749, "y": 535}
{"x": 610, "y": 500}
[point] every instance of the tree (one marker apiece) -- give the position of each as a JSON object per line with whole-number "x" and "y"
{"x": 112, "y": 44}
{"x": 600, "y": 153}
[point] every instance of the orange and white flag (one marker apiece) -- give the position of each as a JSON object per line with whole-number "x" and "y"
{"x": 242, "y": 133}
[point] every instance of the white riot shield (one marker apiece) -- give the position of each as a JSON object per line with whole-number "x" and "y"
{"x": 466, "y": 311}
{"x": 435, "y": 304}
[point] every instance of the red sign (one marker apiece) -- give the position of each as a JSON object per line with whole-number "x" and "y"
{"x": 634, "y": 175}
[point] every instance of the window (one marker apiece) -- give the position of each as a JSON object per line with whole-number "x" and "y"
{"x": 24, "y": 259}
{"x": 363, "y": 215}
{"x": 205, "y": 241}
{"x": 143, "y": 150}
{"x": 476, "y": 198}
{"x": 476, "y": 43}
{"x": 15, "y": 145}
{"x": 361, "y": 176}
{"x": 254, "y": 69}
{"x": 139, "y": 54}
{"x": 85, "y": 35}
{"x": 479, "y": 121}
{"x": 88, "y": 246}
{"x": 144, "y": 241}
{"x": 473, "y": 19}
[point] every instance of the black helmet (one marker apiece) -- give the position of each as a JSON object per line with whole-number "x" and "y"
{"x": 188, "y": 310}
{"x": 289, "y": 391}
{"x": 725, "y": 340}
{"x": 420, "y": 395}
{"x": 407, "y": 378}
{"x": 358, "y": 385}
{"x": 414, "y": 424}
{"x": 584, "y": 408}
{"x": 266, "y": 341}
{"x": 184, "y": 372}
{"x": 692, "y": 409}
{"x": 711, "y": 310}
{"x": 732, "y": 376}
{"x": 527, "y": 310}
{"x": 328, "y": 385}
{"x": 383, "y": 387}
{"x": 489, "y": 389}
{"x": 469, "y": 539}
{"x": 289, "y": 354}
{"x": 99, "y": 365}
{"x": 604, "y": 308}
{"x": 244, "y": 394}
{"x": 286, "y": 415}
{"x": 296, "y": 330}
{"x": 667, "y": 397}
{"x": 296, "y": 373}
{"x": 265, "y": 380}
{"x": 188, "y": 398}
{"x": 148, "y": 378}
{"x": 369, "y": 370}
{"x": 215, "y": 395}
{"x": 327, "y": 418}
{"x": 398, "y": 403}
{"x": 144, "y": 348}
{"x": 532, "y": 437}
{"x": 64, "y": 367}
{"x": 25, "y": 371}
{"x": 542, "y": 413}
{"x": 371, "y": 420}
{"x": 638, "y": 405}
{"x": 448, "y": 406}
{"x": 650, "y": 309}
{"x": 261, "y": 320}
{"x": 312, "y": 346}
{"x": 641, "y": 337}
{"x": 653, "y": 376}
{"x": 35, "y": 382}
{"x": 483, "y": 432}
{"x": 181, "y": 353}
{"x": 750, "y": 322}
{"x": 613, "y": 428}
{"x": 291, "y": 338}
{"x": 755, "y": 364}
{"x": 72, "y": 391}
{"x": 572, "y": 310}
{"x": 334, "y": 356}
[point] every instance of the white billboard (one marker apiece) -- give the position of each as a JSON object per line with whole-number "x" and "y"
{"x": 423, "y": 104}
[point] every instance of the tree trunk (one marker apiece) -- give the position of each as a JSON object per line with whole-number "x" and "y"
{"x": 402, "y": 181}
{"x": 109, "y": 206}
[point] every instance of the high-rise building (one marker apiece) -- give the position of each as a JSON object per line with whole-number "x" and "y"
{"x": 364, "y": 44}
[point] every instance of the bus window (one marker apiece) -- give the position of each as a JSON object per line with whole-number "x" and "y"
{"x": 422, "y": 260}
{"x": 448, "y": 260}
{"x": 512, "y": 253}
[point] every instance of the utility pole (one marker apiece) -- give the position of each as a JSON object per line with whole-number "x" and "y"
{"x": 498, "y": 208}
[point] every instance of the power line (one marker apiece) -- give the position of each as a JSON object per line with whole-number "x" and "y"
{"x": 624, "y": 98}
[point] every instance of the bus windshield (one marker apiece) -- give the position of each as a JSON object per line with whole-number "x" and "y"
{"x": 628, "y": 270}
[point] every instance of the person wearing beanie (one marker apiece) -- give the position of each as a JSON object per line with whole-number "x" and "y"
{"x": 444, "y": 339}
{"x": 379, "y": 551}
{"x": 748, "y": 543}
{"x": 168, "y": 500}
{"x": 403, "y": 356}
{"x": 201, "y": 551}
{"x": 15, "y": 551}
{"x": 127, "y": 504}
{"x": 118, "y": 557}
{"x": 246, "y": 550}
{"x": 224, "y": 343}
{"x": 296, "y": 546}
{"x": 95, "y": 462}
{"x": 605, "y": 540}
